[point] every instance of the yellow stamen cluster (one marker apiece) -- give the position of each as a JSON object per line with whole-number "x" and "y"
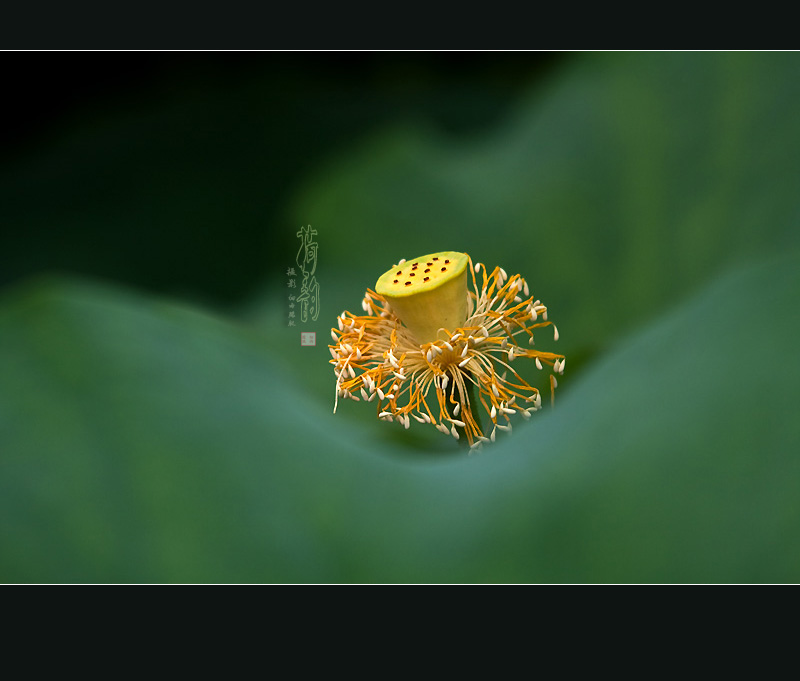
{"x": 376, "y": 357}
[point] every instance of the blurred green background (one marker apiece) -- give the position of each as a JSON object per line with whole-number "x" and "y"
{"x": 160, "y": 422}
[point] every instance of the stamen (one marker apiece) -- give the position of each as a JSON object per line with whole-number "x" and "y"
{"x": 380, "y": 346}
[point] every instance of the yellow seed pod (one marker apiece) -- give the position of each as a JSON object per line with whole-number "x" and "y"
{"x": 428, "y": 293}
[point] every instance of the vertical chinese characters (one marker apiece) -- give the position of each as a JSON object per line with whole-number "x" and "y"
{"x": 307, "y": 262}
{"x": 291, "y": 283}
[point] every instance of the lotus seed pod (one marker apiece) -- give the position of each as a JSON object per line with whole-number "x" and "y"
{"x": 428, "y": 293}
{"x": 464, "y": 369}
